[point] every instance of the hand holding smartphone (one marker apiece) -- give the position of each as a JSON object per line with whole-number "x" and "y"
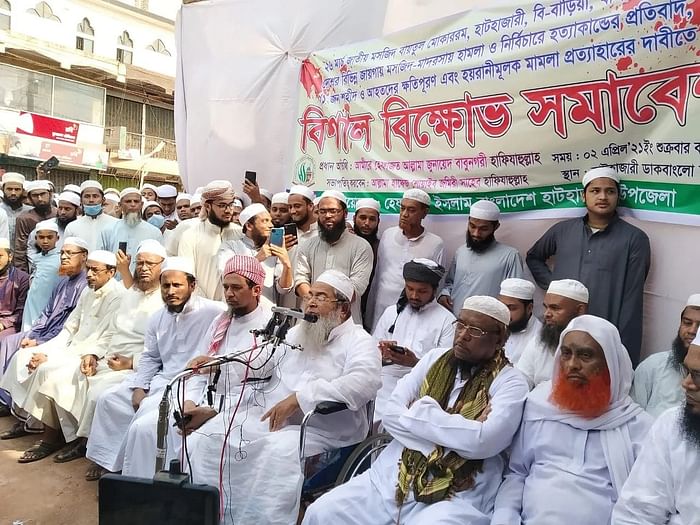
{"x": 277, "y": 236}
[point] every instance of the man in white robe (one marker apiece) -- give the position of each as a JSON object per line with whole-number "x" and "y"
{"x": 656, "y": 386}
{"x": 334, "y": 248}
{"x": 580, "y": 435}
{"x": 90, "y": 225}
{"x": 458, "y": 409}
{"x": 201, "y": 242}
{"x": 399, "y": 244}
{"x": 11, "y": 203}
{"x": 412, "y": 327}
{"x": 564, "y": 300}
{"x": 663, "y": 487}
{"x": 517, "y": 295}
{"x": 41, "y": 379}
{"x": 126, "y": 414}
{"x": 480, "y": 265}
{"x": 339, "y": 363}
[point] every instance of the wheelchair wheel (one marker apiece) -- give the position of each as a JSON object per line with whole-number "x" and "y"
{"x": 362, "y": 457}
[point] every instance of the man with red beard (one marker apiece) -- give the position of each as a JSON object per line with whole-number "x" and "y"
{"x": 580, "y": 434}
{"x": 663, "y": 486}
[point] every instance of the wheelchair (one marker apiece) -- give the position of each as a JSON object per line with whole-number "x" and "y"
{"x": 329, "y": 469}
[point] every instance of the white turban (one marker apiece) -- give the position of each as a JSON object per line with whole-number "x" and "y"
{"x": 166, "y": 191}
{"x": 129, "y": 191}
{"x": 111, "y": 196}
{"x": 596, "y": 173}
{"x": 69, "y": 196}
{"x": 280, "y": 198}
{"x": 39, "y": 185}
{"x": 485, "y": 210}
{"x": 183, "y": 197}
{"x": 417, "y": 195}
{"x": 488, "y": 306}
{"x": 103, "y": 256}
{"x": 518, "y": 288}
{"x": 12, "y": 176}
{"x": 569, "y": 288}
{"x": 77, "y": 242}
{"x": 335, "y": 194}
{"x": 251, "y": 211}
{"x": 72, "y": 187}
{"x": 178, "y": 264}
{"x": 90, "y": 184}
{"x": 47, "y": 225}
{"x": 694, "y": 300}
{"x": 339, "y": 281}
{"x": 151, "y": 246}
{"x": 303, "y": 191}
{"x": 372, "y": 204}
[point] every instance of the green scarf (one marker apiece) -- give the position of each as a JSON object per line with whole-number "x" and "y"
{"x": 439, "y": 476}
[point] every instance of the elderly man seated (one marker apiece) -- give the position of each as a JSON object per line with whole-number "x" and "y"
{"x": 338, "y": 362}
{"x": 451, "y": 418}
{"x": 580, "y": 435}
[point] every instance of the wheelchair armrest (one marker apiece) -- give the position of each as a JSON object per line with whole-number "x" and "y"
{"x": 330, "y": 407}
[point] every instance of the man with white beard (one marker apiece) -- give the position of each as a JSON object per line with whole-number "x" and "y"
{"x": 339, "y": 362}
{"x": 517, "y": 295}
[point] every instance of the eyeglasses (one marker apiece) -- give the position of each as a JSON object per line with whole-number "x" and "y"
{"x": 66, "y": 253}
{"x": 331, "y": 212}
{"x": 225, "y": 206}
{"x": 473, "y": 331}
{"x": 694, "y": 374}
{"x": 148, "y": 264}
{"x": 319, "y": 298}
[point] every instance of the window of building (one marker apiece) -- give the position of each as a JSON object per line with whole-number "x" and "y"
{"x": 159, "y": 47}
{"x": 4, "y": 15}
{"x": 43, "y": 10}
{"x": 125, "y": 49}
{"x": 85, "y": 38}
{"x": 25, "y": 90}
{"x": 76, "y": 101}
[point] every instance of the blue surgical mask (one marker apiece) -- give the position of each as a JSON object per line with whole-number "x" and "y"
{"x": 92, "y": 209}
{"x": 156, "y": 220}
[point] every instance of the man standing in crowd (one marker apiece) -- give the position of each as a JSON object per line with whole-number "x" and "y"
{"x": 14, "y": 285}
{"x": 657, "y": 379}
{"x": 173, "y": 337}
{"x": 662, "y": 488}
{"x": 564, "y": 300}
{"x": 610, "y": 256}
{"x": 334, "y": 248}
{"x": 451, "y": 418}
{"x": 182, "y": 207}
{"x": 279, "y": 209}
{"x": 167, "y": 198}
{"x": 366, "y": 226}
{"x": 517, "y": 295}
{"x": 89, "y": 227}
{"x": 66, "y": 213}
{"x": 409, "y": 240}
{"x": 12, "y": 190}
{"x": 148, "y": 192}
{"x": 480, "y": 265}
{"x": 412, "y": 327}
{"x": 201, "y": 242}
{"x": 44, "y": 265}
{"x": 40, "y": 194}
{"x": 301, "y": 209}
{"x": 580, "y": 435}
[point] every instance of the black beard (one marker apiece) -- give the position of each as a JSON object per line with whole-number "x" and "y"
{"x": 258, "y": 239}
{"x": 690, "y": 426}
{"x": 64, "y": 222}
{"x": 333, "y": 234}
{"x": 678, "y": 353}
{"x": 14, "y": 204}
{"x": 43, "y": 209}
{"x": 370, "y": 238}
{"x": 480, "y": 246}
{"x": 519, "y": 326}
{"x": 216, "y": 221}
{"x": 549, "y": 336}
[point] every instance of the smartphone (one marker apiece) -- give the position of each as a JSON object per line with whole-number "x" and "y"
{"x": 251, "y": 176}
{"x": 277, "y": 236}
{"x": 50, "y": 163}
{"x": 398, "y": 349}
{"x": 290, "y": 229}
{"x": 122, "y": 247}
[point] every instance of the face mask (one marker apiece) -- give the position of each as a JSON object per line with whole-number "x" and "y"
{"x": 92, "y": 209}
{"x": 156, "y": 220}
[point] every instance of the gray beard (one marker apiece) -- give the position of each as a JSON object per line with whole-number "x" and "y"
{"x": 132, "y": 219}
{"x": 315, "y": 335}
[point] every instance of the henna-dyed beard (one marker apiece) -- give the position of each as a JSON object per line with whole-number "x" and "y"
{"x": 588, "y": 400}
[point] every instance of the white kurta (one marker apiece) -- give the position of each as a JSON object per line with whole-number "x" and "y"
{"x": 90, "y": 229}
{"x": 171, "y": 238}
{"x": 262, "y": 475}
{"x": 172, "y": 340}
{"x": 663, "y": 486}
{"x": 419, "y": 331}
{"x": 119, "y": 231}
{"x": 395, "y": 250}
{"x": 517, "y": 342}
{"x": 558, "y": 474}
{"x": 536, "y": 362}
{"x": 657, "y": 384}
{"x": 421, "y": 424}
{"x": 201, "y": 244}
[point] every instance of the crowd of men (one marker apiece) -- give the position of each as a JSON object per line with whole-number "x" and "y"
{"x": 494, "y": 416}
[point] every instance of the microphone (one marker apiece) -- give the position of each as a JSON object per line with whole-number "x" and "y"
{"x": 297, "y": 314}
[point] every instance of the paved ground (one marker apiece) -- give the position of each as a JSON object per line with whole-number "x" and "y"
{"x": 44, "y": 492}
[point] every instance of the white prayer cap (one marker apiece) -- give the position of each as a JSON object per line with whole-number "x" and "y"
{"x": 372, "y": 204}
{"x": 77, "y": 242}
{"x": 251, "y": 211}
{"x": 103, "y": 256}
{"x": 602, "y": 171}
{"x": 694, "y": 300}
{"x": 13, "y": 176}
{"x": 112, "y": 190}
{"x": 237, "y": 203}
{"x": 178, "y": 264}
{"x": 316, "y": 201}
{"x": 166, "y": 191}
{"x": 129, "y": 191}
{"x": 280, "y": 198}
{"x": 339, "y": 281}
{"x": 39, "y": 185}
{"x": 148, "y": 204}
{"x": 47, "y": 225}
{"x": 153, "y": 247}
{"x": 334, "y": 194}
{"x": 485, "y": 210}
{"x": 69, "y": 196}
{"x": 90, "y": 184}
{"x": 198, "y": 190}
{"x": 112, "y": 197}
{"x": 196, "y": 199}
{"x": 72, "y": 188}
{"x": 518, "y": 288}
{"x": 303, "y": 191}
{"x": 183, "y": 197}
{"x": 266, "y": 193}
{"x": 417, "y": 195}
{"x": 569, "y": 288}
{"x": 5, "y": 243}
{"x": 149, "y": 186}
{"x": 488, "y": 306}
